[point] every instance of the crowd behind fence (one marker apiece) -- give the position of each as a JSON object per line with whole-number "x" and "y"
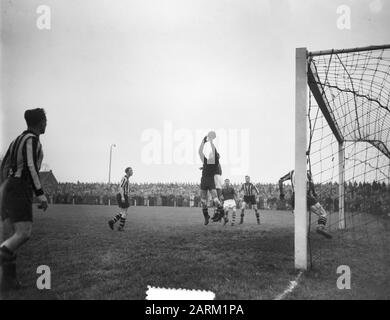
{"x": 368, "y": 197}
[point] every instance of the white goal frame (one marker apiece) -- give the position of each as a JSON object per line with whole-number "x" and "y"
{"x": 306, "y": 77}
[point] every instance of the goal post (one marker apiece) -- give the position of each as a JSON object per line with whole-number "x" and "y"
{"x": 342, "y": 135}
{"x": 300, "y": 210}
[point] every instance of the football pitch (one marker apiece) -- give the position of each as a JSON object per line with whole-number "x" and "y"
{"x": 171, "y": 248}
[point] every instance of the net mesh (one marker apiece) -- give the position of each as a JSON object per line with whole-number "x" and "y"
{"x": 349, "y": 134}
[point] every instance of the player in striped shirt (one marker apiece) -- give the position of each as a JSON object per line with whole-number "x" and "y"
{"x": 250, "y": 192}
{"x": 19, "y": 179}
{"x": 123, "y": 201}
{"x": 312, "y": 203}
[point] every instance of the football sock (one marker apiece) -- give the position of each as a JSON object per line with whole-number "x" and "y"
{"x": 7, "y": 252}
{"x": 116, "y": 218}
{"x": 257, "y": 216}
{"x": 233, "y": 217}
{"x": 9, "y": 278}
{"x": 321, "y": 222}
{"x": 221, "y": 211}
{"x": 122, "y": 221}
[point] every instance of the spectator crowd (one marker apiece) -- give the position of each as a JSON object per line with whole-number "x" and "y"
{"x": 368, "y": 197}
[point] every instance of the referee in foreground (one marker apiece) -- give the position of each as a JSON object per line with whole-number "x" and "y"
{"x": 19, "y": 179}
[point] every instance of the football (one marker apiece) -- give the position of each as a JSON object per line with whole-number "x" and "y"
{"x": 211, "y": 135}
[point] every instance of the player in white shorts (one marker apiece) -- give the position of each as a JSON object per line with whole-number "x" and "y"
{"x": 229, "y": 197}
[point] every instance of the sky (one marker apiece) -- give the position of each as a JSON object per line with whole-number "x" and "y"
{"x": 155, "y": 76}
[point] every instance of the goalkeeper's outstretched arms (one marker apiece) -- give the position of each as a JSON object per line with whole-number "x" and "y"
{"x": 200, "y": 150}
{"x": 285, "y": 178}
{"x": 312, "y": 189}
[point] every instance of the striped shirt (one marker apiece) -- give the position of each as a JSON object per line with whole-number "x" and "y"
{"x": 124, "y": 187}
{"x": 23, "y": 160}
{"x": 249, "y": 189}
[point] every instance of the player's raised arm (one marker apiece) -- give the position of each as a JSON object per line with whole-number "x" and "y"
{"x": 213, "y": 148}
{"x": 200, "y": 151}
{"x": 311, "y": 184}
{"x": 284, "y": 179}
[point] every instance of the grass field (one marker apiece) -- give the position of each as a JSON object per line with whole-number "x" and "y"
{"x": 170, "y": 247}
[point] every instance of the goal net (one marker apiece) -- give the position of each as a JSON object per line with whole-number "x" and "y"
{"x": 347, "y": 153}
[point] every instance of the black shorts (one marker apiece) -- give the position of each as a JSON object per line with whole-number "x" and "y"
{"x": 16, "y": 200}
{"x": 310, "y": 201}
{"x": 122, "y": 204}
{"x": 250, "y": 200}
{"x": 207, "y": 183}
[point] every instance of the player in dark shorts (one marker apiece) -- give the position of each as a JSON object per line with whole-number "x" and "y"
{"x": 207, "y": 183}
{"x": 312, "y": 203}
{"x": 249, "y": 201}
{"x": 19, "y": 180}
{"x": 122, "y": 198}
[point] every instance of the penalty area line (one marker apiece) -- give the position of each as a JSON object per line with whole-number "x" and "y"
{"x": 292, "y": 285}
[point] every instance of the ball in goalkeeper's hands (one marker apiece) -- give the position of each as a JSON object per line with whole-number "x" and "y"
{"x": 211, "y": 135}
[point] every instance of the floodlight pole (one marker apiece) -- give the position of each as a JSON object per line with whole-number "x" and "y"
{"x": 300, "y": 210}
{"x": 109, "y": 167}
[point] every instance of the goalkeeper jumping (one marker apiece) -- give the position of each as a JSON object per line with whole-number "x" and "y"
{"x": 312, "y": 202}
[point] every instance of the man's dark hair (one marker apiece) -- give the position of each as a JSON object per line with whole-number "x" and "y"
{"x": 127, "y": 169}
{"x": 34, "y": 116}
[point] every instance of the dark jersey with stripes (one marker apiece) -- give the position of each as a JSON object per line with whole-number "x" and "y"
{"x": 124, "y": 187}
{"x": 249, "y": 189}
{"x": 23, "y": 160}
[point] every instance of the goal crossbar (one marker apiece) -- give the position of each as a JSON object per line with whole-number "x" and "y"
{"x": 351, "y": 50}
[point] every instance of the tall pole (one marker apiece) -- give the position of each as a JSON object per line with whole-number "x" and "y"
{"x": 300, "y": 211}
{"x": 109, "y": 168}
